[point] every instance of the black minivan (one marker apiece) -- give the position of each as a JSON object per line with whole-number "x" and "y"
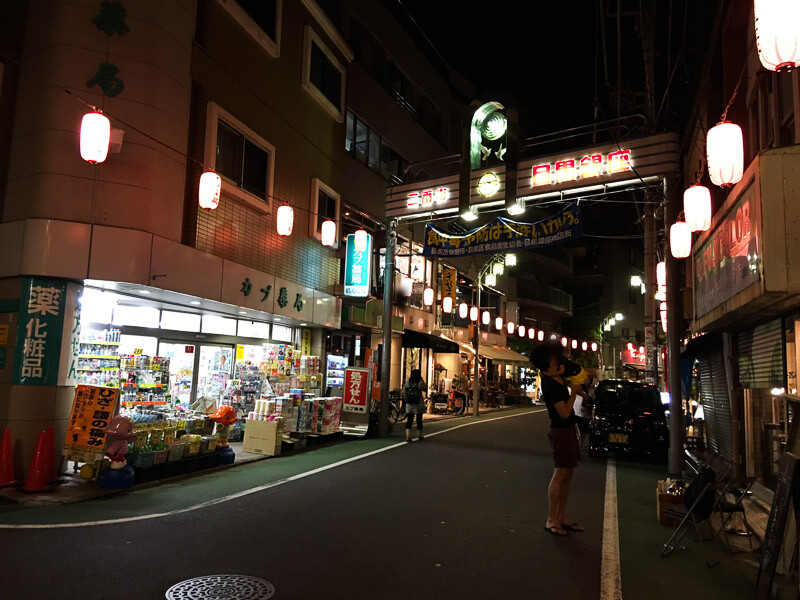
{"x": 628, "y": 418}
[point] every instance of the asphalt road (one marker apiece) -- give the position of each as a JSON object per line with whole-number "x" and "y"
{"x": 458, "y": 516}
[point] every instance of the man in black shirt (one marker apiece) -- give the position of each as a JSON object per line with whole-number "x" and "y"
{"x": 563, "y": 435}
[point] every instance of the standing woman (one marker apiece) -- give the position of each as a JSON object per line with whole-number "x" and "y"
{"x": 414, "y": 401}
{"x": 563, "y": 435}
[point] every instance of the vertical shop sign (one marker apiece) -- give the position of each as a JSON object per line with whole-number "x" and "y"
{"x": 357, "y": 388}
{"x": 305, "y": 342}
{"x": 71, "y": 343}
{"x": 40, "y": 331}
{"x": 92, "y": 410}
{"x": 449, "y": 283}
{"x": 358, "y": 268}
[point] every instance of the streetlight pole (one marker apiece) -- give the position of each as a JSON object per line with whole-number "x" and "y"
{"x": 384, "y": 428}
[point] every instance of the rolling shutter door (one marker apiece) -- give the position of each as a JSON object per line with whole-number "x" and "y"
{"x": 761, "y": 356}
{"x": 716, "y": 404}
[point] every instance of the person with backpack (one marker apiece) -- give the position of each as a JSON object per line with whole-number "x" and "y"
{"x": 414, "y": 401}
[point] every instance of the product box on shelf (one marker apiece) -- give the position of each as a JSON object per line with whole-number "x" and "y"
{"x": 263, "y": 437}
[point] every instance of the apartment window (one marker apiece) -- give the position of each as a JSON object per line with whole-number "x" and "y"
{"x": 323, "y": 75}
{"x": 243, "y": 159}
{"x": 368, "y": 147}
{"x": 325, "y": 204}
{"x": 260, "y": 18}
{"x": 626, "y": 333}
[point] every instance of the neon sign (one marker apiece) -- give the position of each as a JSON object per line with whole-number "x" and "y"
{"x": 572, "y": 169}
{"x": 427, "y": 198}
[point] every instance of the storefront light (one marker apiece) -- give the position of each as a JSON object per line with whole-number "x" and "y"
{"x": 469, "y": 215}
{"x": 777, "y": 26}
{"x": 447, "y": 304}
{"x": 498, "y": 323}
{"x": 725, "y": 153}
{"x": 630, "y": 346}
{"x": 680, "y": 240}
{"x": 463, "y": 310}
{"x": 209, "y": 190}
{"x": 327, "y": 233}
{"x": 697, "y": 207}
{"x": 510, "y": 328}
{"x": 427, "y": 296}
{"x": 361, "y": 240}
{"x": 473, "y": 314}
{"x": 486, "y": 318}
{"x": 636, "y": 281}
{"x": 285, "y": 221}
{"x": 95, "y": 137}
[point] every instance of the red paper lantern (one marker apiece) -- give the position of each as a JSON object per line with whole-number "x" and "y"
{"x": 95, "y": 137}
{"x": 421, "y": 323}
{"x": 210, "y": 187}
{"x": 485, "y": 336}
{"x": 697, "y": 208}
{"x": 778, "y": 33}
{"x": 447, "y": 304}
{"x": 498, "y": 323}
{"x": 285, "y": 220}
{"x": 725, "y": 153}
{"x": 463, "y": 310}
{"x": 327, "y": 233}
{"x": 680, "y": 240}
{"x": 427, "y": 296}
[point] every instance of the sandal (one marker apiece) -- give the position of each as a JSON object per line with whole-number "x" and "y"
{"x": 576, "y": 527}
{"x": 556, "y": 531}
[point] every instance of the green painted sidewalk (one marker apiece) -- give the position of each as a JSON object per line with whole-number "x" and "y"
{"x": 183, "y": 494}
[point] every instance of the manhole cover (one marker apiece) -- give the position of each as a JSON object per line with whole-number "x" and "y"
{"x": 220, "y": 587}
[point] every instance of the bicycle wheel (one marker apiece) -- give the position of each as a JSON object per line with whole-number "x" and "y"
{"x": 396, "y": 415}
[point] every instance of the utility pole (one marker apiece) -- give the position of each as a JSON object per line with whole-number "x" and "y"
{"x": 476, "y": 382}
{"x": 384, "y": 428}
{"x": 650, "y": 286}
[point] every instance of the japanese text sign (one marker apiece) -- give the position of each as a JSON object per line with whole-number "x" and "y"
{"x": 449, "y": 283}
{"x": 586, "y": 167}
{"x": 92, "y": 410}
{"x": 502, "y": 234}
{"x": 358, "y": 268}
{"x": 357, "y": 388}
{"x": 40, "y": 330}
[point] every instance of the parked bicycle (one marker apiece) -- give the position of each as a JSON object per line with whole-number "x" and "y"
{"x": 396, "y": 412}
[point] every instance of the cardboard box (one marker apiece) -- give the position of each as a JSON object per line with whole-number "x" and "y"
{"x": 263, "y": 437}
{"x": 664, "y": 501}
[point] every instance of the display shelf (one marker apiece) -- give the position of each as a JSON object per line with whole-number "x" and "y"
{"x": 97, "y": 369}
{"x": 107, "y": 357}
{"x": 144, "y": 386}
{"x": 145, "y": 403}
{"x": 101, "y": 343}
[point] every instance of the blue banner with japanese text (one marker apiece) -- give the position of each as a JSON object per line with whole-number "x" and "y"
{"x": 501, "y": 235}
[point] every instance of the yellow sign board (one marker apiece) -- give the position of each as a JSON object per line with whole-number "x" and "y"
{"x": 449, "y": 283}
{"x": 305, "y": 342}
{"x": 92, "y": 410}
{"x": 239, "y": 352}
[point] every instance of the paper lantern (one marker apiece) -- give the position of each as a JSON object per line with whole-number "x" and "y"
{"x": 725, "y": 153}
{"x": 697, "y": 208}
{"x": 540, "y": 336}
{"x": 486, "y": 318}
{"x": 510, "y": 328}
{"x": 461, "y": 334}
{"x": 485, "y": 336}
{"x": 574, "y": 344}
{"x": 463, "y": 310}
{"x": 564, "y": 342}
{"x": 427, "y": 296}
{"x": 778, "y": 33}
{"x": 594, "y": 346}
{"x": 285, "y": 220}
{"x": 95, "y": 137}
{"x": 473, "y": 313}
{"x": 327, "y": 233}
{"x": 406, "y": 286}
{"x": 511, "y": 260}
{"x": 447, "y": 304}
{"x": 661, "y": 273}
{"x": 421, "y": 323}
{"x": 498, "y": 323}
{"x": 210, "y": 187}
{"x": 361, "y": 240}
{"x": 641, "y": 349}
{"x": 531, "y": 333}
{"x": 663, "y": 311}
{"x": 584, "y": 346}
{"x": 680, "y": 240}
{"x": 521, "y": 331}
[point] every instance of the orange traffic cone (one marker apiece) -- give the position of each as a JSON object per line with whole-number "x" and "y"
{"x": 36, "y": 483}
{"x": 6, "y": 461}
{"x": 52, "y": 476}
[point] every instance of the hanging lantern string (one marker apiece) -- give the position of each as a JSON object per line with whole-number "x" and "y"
{"x": 173, "y": 149}
{"x": 735, "y": 91}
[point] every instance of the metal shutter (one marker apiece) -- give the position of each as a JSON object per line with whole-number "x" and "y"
{"x": 716, "y": 404}
{"x": 761, "y": 356}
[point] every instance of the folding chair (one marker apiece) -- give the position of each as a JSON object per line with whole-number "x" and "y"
{"x": 727, "y": 509}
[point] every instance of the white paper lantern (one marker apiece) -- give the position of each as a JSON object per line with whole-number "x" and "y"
{"x": 521, "y": 331}
{"x": 427, "y": 296}
{"x": 564, "y": 342}
{"x": 594, "y": 346}
{"x": 447, "y": 304}
{"x": 486, "y": 318}
{"x": 463, "y": 310}
{"x": 361, "y": 240}
{"x": 327, "y": 233}
{"x": 498, "y": 323}
{"x": 406, "y": 286}
{"x": 95, "y": 137}
{"x": 778, "y": 33}
{"x": 531, "y": 333}
{"x": 680, "y": 240}
{"x": 209, "y": 189}
{"x": 641, "y": 349}
{"x": 663, "y": 311}
{"x": 473, "y": 314}
{"x": 540, "y": 336}
{"x": 285, "y": 220}
{"x": 725, "y": 153}
{"x": 584, "y": 346}
{"x": 697, "y": 208}
{"x": 661, "y": 273}
{"x": 510, "y": 328}
{"x": 574, "y": 344}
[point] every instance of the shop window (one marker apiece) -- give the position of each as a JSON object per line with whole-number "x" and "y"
{"x": 370, "y": 148}
{"x": 349, "y": 134}
{"x": 97, "y": 306}
{"x": 323, "y": 75}
{"x": 136, "y": 316}
{"x": 281, "y": 333}
{"x": 218, "y": 325}
{"x": 325, "y": 204}
{"x": 253, "y": 329}
{"x": 261, "y": 19}
{"x": 180, "y": 321}
{"x": 245, "y": 161}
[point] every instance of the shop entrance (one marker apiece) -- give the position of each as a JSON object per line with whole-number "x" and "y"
{"x": 181, "y": 370}
{"x": 214, "y": 369}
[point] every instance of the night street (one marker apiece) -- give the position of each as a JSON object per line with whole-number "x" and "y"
{"x": 458, "y": 516}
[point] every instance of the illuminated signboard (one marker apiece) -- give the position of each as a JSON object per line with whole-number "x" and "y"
{"x": 357, "y": 268}
{"x": 427, "y": 198}
{"x": 587, "y": 167}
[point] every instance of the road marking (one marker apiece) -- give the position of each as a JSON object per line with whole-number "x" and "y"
{"x": 248, "y": 491}
{"x": 610, "y": 577}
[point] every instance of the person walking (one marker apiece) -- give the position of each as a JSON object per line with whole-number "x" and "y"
{"x": 563, "y": 435}
{"x": 414, "y": 402}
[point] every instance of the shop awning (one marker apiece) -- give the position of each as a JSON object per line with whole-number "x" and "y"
{"x": 418, "y": 339}
{"x": 502, "y": 354}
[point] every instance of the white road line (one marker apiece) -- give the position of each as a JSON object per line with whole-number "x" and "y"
{"x": 610, "y": 577}
{"x": 248, "y": 491}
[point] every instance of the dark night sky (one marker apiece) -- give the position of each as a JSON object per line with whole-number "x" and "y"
{"x": 541, "y": 52}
